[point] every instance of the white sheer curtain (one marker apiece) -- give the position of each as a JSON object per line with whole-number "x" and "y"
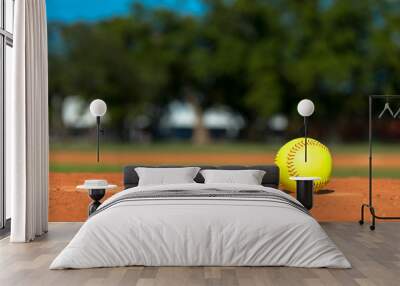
{"x": 27, "y": 124}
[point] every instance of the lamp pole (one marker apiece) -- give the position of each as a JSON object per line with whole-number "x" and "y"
{"x": 98, "y": 137}
{"x": 305, "y": 108}
{"x": 305, "y": 138}
{"x": 98, "y": 108}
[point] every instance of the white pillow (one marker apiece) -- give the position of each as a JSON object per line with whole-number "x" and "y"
{"x": 248, "y": 177}
{"x": 163, "y": 176}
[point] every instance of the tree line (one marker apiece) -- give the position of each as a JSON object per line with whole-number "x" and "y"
{"x": 258, "y": 57}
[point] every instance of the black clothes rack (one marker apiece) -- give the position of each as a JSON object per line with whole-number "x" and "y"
{"x": 370, "y": 202}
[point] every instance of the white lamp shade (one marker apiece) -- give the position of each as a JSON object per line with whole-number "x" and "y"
{"x": 305, "y": 107}
{"x": 98, "y": 107}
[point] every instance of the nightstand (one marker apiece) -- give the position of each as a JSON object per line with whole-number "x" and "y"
{"x": 96, "y": 190}
{"x": 304, "y": 190}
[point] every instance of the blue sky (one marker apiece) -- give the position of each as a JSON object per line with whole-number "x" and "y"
{"x": 92, "y": 10}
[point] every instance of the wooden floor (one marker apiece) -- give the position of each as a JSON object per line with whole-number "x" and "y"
{"x": 375, "y": 257}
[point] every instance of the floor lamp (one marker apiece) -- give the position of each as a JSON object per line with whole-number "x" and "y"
{"x": 98, "y": 108}
{"x": 305, "y": 109}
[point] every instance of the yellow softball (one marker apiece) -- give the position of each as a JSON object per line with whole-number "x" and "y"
{"x": 290, "y": 160}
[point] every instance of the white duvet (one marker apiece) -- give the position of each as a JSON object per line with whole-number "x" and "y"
{"x": 200, "y": 231}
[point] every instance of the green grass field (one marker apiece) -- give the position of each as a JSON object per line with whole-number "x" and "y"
{"x": 169, "y": 147}
{"x": 351, "y": 148}
{"x": 241, "y": 148}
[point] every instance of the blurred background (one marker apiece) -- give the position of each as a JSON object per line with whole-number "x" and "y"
{"x": 218, "y": 81}
{"x": 216, "y": 70}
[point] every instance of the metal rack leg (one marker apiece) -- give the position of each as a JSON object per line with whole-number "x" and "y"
{"x": 361, "y": 221}
{"x": 374, "y": 216}
{"x": 372, "y": 210}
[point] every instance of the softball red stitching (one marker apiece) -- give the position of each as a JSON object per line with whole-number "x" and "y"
{"x": 292, "y": 153}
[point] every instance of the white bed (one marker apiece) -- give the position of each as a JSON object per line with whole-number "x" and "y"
{"x": 185, "y": 230}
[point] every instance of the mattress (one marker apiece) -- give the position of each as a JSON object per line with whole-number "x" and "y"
{"x": 201, "y": 225}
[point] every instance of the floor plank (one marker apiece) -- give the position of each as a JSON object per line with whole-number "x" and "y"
{"x": 375, "y": 257}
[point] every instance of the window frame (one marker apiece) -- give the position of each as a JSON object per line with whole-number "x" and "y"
{"x": 6, "y": 39}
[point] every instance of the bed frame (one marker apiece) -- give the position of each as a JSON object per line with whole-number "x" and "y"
{"x": 270, "y": 179}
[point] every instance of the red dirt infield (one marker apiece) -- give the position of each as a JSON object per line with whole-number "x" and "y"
{"x": 339, "y": 201}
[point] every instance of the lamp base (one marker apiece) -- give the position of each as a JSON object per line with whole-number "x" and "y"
{"x": 96, "y": 195}
{"x": 304, "y": 193}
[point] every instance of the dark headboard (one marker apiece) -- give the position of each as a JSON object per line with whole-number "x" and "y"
{"x": 271, "y": 177}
